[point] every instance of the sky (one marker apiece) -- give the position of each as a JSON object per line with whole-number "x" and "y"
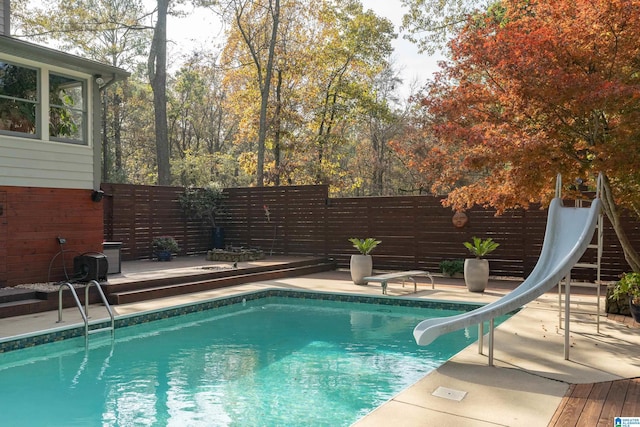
{"x": 201, "y": 28}
{"x": 188, "y": 33}
{"x": 414, "y": 66}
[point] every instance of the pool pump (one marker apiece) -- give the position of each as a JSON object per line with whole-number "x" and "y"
{"x": 91, "y": 266}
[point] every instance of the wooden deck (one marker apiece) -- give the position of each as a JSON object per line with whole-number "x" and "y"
{"x": 591, "y": 405}
{"x": 597, "y": 404}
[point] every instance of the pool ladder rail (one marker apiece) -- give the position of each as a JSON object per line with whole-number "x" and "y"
{"x": 85, "y": 312}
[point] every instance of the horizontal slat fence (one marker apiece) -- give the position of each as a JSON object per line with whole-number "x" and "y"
{"x": 416, "y": 231}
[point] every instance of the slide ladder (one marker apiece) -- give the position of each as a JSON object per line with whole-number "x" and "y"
{"x": 85, "y": 312}
{"x": 568, "y": 234}
{"x": 594, "y": 262}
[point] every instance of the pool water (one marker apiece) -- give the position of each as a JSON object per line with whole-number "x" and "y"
{"x": 268, "y": 362}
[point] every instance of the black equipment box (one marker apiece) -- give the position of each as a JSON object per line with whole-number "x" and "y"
{"x": 89, "y": 267}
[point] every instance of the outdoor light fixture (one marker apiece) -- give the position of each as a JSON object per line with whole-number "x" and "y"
{"x": 96, "y": 195}
{"x": 99, "y": 80}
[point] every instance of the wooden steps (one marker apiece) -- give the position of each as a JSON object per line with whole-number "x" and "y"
{"x": 141, "y": 291}
{"x": 18, "y": 302}
{"x": 22, "y": 307}
{"x": 15, "y": 302}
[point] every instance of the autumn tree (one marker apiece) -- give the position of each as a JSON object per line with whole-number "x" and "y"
{"x": 384, "y": 121}
{"x": 357, "y": 48}
{"x": 327, "y": 54}
{"x": 201, "y": 127}
{"x": 138, "y": 132}
{"x": 534, "y": 89}
{"x": 257, "y": 23}
{"x": 430, "y": 24}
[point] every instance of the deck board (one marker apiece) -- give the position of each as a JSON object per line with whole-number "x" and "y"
{"x": 595, "y": 403}
{"x": 574, "y": 406}
{"x": 587, "y": 405}
{"x": 631, "y": 406}
{"x": 613, "y": 405}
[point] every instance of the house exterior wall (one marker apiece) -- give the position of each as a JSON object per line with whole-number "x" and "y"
{"x": 32, "y": 218}
{"x": 51, "y": 165}
{"x": 5, "y": 8}
{"x": 41, "y": 162}
{"x": 46, "y": 184}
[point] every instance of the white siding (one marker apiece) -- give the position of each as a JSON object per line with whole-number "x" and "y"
{"x": 3, "y": 14}
{"x": 29, "y": 162}
{"x": 35, "y": 163}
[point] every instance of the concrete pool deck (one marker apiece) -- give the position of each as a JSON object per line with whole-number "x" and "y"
{"x": 524, "y": 388}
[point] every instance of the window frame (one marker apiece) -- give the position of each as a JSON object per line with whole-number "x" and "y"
{"x": 38, "y": 102}
{"x": 83, "y": 111}
{"x": 43, "y": 105}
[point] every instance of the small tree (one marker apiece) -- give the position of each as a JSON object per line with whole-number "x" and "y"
{"x": 203, "y": 203}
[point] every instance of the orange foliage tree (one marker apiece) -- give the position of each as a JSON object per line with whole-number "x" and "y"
{"x": 536, "y": 88}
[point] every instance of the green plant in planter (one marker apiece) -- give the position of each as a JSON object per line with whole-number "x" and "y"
{"x": 480, "y": 248}
{"x": 365, "y": 246}
{"x": 627, "y": 287}
{"x": 450, "y": 267}
{"x": 361, "y": 266}
{"x": 165, "y": 243}
{"x": 476, "y": 270}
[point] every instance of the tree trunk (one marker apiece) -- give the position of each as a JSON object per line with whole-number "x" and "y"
{"x": 608, "y": 203}
{"x": 157, "y": 68}
{"x": 277, "y": 132}
{"x": 265, "y": 90}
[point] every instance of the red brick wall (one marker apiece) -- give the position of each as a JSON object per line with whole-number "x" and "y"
{"x": 30, "y": 221}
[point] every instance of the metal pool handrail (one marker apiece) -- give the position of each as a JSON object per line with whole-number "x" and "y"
{"x": 85, "y": 312}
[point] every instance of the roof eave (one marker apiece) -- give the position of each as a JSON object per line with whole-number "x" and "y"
{"x": 34, "y": 52}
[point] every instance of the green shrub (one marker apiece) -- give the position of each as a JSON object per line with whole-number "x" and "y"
{"x": 450, "y": 267}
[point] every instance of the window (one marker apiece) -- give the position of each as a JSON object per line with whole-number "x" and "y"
{"x": 22, "y": 103}
{"x": 19, "y": 101}
{"x": 67, "y": 114}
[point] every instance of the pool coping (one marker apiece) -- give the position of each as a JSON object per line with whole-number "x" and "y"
{"x": 61, "y": 333}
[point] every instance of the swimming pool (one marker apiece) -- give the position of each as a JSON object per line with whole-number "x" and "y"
{"x": 269, "y": 361}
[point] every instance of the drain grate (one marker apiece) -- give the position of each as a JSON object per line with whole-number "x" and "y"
{"x": 449, "y": 393}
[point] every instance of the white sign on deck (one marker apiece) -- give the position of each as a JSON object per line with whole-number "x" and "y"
{"x": 626, "y": 422}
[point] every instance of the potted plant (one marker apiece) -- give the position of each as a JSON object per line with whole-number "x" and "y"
{"x": 476, "y": 270}
{"x": 164, "y": 247}
{"x": 452, "y": 267}
{"x": 628, "y": 288}
{"x": 207, "y": 204}
{"x": 361, "y": 265}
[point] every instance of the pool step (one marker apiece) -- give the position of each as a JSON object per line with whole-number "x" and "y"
{"x": 188, "y": 285}
{"x": 99, "y": 330}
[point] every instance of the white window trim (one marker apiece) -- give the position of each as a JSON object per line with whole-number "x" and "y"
{"x": 42, "y": 134}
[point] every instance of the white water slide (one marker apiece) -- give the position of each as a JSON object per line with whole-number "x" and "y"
{"x": 568, "y": 234}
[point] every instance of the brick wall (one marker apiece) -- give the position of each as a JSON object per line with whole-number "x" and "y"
{"x": 31, "y": 219}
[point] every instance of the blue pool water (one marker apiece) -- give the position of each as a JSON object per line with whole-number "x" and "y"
{"x": 268, "y": 362}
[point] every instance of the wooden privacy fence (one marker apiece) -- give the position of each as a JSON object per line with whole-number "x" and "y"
{"x": 416, "y": 231}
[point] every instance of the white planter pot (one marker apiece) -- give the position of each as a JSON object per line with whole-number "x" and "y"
{"x": 476, "y": 274}
{"x": 361, "y": 266}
